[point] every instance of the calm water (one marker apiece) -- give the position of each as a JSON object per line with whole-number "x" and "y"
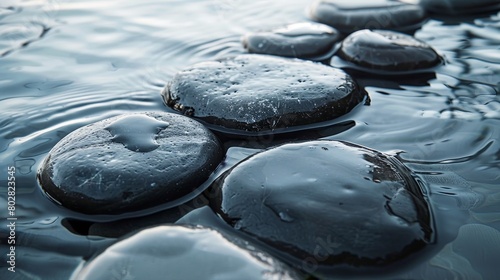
{"x": 65, "y": 64}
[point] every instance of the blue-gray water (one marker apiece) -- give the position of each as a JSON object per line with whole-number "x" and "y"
{"x": 65, "y": 64}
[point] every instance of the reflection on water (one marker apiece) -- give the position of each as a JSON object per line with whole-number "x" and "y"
{"x": 65, "y": 64}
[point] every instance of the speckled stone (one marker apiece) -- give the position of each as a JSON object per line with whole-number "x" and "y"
{"x": 332, "y": 207}
{"x": 259, "y": 93}
{"x": 183, "y": 252}
{"x": 349, "y": 16}
{"x": 301, "y": 40}
{"x": 130, "y": 162}
{"x": 388, "y": 51}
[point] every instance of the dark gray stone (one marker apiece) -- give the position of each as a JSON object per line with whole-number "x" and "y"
{"x": 183, "y": 252}
{"x": 349, "y": 16}
{"x": 333, "y": 207}
{"x": 130, "y": 162}
{"x": 460, "y": 7}
{"x": 387, "y": 51}
{"x": 301, "y": 40}
{"x": 258, "y": 93}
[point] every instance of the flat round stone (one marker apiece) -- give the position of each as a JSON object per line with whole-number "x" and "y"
{"x": 183, "y": 252}
{"x": 258, "y": 93}
{"x": 388, "y": 51}
{"x": 301, "y": 40}
{"x": 458, "y": 7}
{"x": 349, "y": 16}
{"x": 330, "y": 206}
{"x": 130, "y": 162}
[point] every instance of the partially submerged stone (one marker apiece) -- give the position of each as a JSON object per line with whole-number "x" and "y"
{"x": 259, "y": 93}
{"x": 331, "y": 207}
{"x": 349, "y": 16}
{"x": 130, "y": 162}
{"x": 387, "y": 51}
{"x": 460, "y": 7}
{"x": 301, "y": 40}
{"x": 183, "y": 252}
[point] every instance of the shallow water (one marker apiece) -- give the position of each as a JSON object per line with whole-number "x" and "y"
{"x": 65, "y": 64}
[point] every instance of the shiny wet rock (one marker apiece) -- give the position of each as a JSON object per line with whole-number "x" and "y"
{"x": 184, "y": 252}
{"x": 460, "y": 7}
{"x": 300, "y": 40}
{"x": 349, "y": 16}
{"x": 332, "y": 207}
{"x": 387, "y": 51}
{"x": 129, "y": 162}
{"x": 261, "y": 93}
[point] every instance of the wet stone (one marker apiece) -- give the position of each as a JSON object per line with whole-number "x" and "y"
{"x": 259, "y": 93}
{"x": 130, "y": 162}
{"x": 330, "y": 207}
{"x": 184, "y": 252}
{"x": 460, "y": 7}
{"x": 349, "y": 16}
{"x": 301, "y": 40}
{"x": 387, "y": 51}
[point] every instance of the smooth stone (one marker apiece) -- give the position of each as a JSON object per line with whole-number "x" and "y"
{"x": 183, "y": 252}
{"x": 458, "y": 7}
{"x": 301, "y": 40}
{"x": 387, "y": 51}
{"x": 349, "y": 16}
{"x": 259, "y": 93}
{"x": 330, "y": 207}
{"x": 130, "y": 162}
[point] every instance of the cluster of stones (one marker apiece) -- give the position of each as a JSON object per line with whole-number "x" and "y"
{"x": 323, "y": 207}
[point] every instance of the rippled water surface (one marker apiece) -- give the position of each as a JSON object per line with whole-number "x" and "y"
{"x": 65, "y": 64}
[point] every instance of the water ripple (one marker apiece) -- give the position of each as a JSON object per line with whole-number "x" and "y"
{"x": 27, "y": 27}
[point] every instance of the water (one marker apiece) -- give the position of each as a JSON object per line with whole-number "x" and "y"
{"x": 65, "y": 64}
{"x": 124, "y": 130}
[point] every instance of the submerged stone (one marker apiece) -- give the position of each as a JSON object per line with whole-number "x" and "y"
{"x": 255, "y": 93}
{"x": 331, "y": 207}
{"x": 388, "y": 51}
{"x": 349, "y": 16}
{"x": 184, "y": 252}
{"x": 130, "y": 162}
{"x": 301, "y": 40}
{"x": 458, "y": 7}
